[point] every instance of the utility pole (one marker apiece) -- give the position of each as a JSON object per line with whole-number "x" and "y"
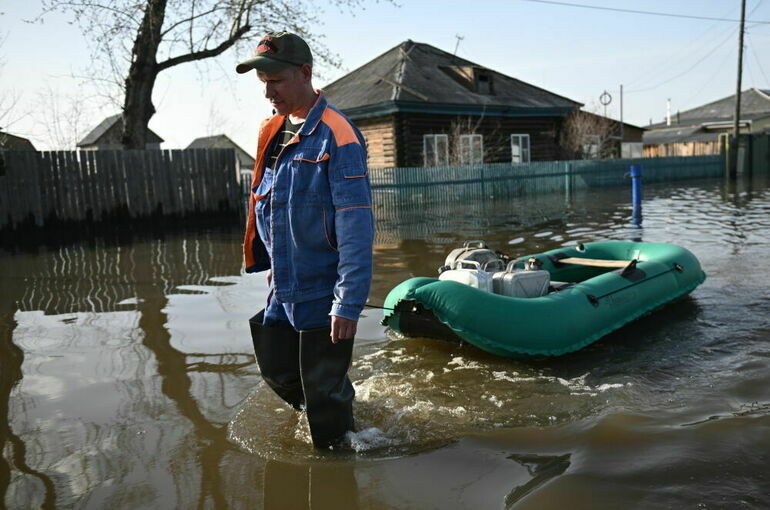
{"x": 621, "y": 115}
{"x": 733, "y": 162}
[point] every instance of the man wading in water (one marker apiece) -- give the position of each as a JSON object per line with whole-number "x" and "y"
{"x": 310, "y": 226}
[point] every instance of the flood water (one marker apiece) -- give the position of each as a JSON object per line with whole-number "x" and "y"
{"x": 127, "y": 377}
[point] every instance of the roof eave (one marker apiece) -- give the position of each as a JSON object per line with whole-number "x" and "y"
{"x": 390, "y": 107}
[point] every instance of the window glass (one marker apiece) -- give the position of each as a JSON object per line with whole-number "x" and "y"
{"x": 471, "y": 149}
{"x": 520, "y": 148}
{"x": 429, "y": 150}
{"x": 435, "y": 150}
{"x": 442, "y": 150}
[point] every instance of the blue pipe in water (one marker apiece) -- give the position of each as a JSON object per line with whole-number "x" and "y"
{"x": 636, "y": 194}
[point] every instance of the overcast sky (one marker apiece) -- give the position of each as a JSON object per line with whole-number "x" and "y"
{"x": 572, "y": 51}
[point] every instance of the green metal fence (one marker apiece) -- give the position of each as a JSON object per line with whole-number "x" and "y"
{"x": 503, "y": 180}
{"x": 401, "y": 193}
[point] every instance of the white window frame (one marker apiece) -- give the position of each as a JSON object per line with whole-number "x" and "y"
{"x": 524, "y": 148}
{"x": 473, "y": 159}
{"x": 437, "y": 158}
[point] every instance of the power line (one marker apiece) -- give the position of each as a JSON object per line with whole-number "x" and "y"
{"x": 729, "y": 33}
{"x": 693, "y": 99}
{"x": 650, "y": 13}
{"x": 704, "y": 57}
{"x": 689, "y": 51}
{"x": 756, "y": 59}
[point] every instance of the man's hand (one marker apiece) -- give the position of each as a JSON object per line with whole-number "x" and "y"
{"x": 269, "y": 277}
{"x": 342, "y": 329}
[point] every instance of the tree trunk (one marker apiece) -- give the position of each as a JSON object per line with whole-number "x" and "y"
{"x": 138, "y": 108}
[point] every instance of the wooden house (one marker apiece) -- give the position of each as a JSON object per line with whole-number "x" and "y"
{"x": 417, "y": 105}
{"x": 245, "y": 160}
{"x": 106, "y": 136}
{"x": 9, "y": 142}
{"x": 697, "y": 131}
{"x": 587, "y": 135}
{"x": 14, "y": 143}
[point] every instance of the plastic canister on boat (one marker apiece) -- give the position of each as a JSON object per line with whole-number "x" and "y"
{"x": 477, "y": 251}
{"x": 469, "y": 272}
{"x": 521, "y": 283}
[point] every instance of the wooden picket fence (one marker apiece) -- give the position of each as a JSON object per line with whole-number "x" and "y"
{"x": 44, "y": 188}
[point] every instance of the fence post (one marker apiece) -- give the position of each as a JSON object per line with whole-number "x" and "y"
{"x": 636, "y": 194}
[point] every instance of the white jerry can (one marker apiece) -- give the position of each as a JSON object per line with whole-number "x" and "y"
{"x": 469, "y": 272}
{"x": 521, "y": 283}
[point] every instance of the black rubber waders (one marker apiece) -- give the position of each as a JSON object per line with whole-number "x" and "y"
{"x": 277, "y": 351}
{"x": 328, "y": 390}
{"x": 307, "y": 370}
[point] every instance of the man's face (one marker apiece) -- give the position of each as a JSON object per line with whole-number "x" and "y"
{"x": 286, "y": 89}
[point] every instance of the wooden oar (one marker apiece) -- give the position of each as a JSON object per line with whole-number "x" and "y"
{"x": 595, "y": 262}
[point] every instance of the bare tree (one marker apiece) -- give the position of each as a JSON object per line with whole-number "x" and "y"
{"x": 217, "y": 122}
{"x": 459, "y": 127}
{"x": 133, "y": 41}
{"x": 585, "y": 135}
{"x": 10, "y": 99}
{"x": 495, "y": 141}
{"x": 61, "y": 118}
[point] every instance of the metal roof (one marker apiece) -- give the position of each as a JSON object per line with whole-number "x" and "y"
{"x": 755, "y": 103}
{"x": 679, "y": 135}
{"x": 419, "y": 77}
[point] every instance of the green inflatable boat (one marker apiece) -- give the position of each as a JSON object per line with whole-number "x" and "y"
{"x": 595, "y": 289}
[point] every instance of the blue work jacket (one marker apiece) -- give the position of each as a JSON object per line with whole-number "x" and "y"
{"x": 321, "y": 224}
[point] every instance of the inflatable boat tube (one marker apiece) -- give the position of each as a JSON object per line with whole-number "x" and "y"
{"x": 596, "y": 288}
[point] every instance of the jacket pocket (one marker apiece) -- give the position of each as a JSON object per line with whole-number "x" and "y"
{"x": 325, "y": 157}
{"x": 329, "y": 231}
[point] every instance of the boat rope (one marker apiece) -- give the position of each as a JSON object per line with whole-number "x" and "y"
{"x": 380, "y": 307}
{"x": 595, "y": 299}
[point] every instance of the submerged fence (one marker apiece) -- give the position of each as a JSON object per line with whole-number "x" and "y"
{"x": 541, "y": 176}
{"x": 534, "y": 189}
{"x": 43, "y": 188}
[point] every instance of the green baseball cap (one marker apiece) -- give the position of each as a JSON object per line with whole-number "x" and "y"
{"x": 276, "y": 51}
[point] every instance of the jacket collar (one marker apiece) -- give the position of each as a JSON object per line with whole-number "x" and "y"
{"x": 314, "y": 115}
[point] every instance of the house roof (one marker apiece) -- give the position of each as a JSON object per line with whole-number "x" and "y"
{"x": 105, "y": 125}
{"x": 222, "y": 142}
{"x": 625, "y": 124}
{"x": 15, "y": 143}
{"x": 679, "y": 134}
{"x": 755, "y": 103}
{"x": 419, "y": 77}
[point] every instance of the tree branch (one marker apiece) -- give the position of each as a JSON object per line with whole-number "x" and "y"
{"x": 190, "y": 19}
{"x": 206, "y": 53}
{"x": 82, "y": 6}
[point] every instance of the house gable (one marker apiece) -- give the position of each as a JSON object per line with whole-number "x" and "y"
{"x": 15, "y": 143}
{"x": 107, "y": 134}
{"x": 245, "y": 160}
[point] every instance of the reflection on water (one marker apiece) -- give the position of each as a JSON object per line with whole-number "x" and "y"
{"x": 305, "y": 487}
{"x": 127, "y": 378}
